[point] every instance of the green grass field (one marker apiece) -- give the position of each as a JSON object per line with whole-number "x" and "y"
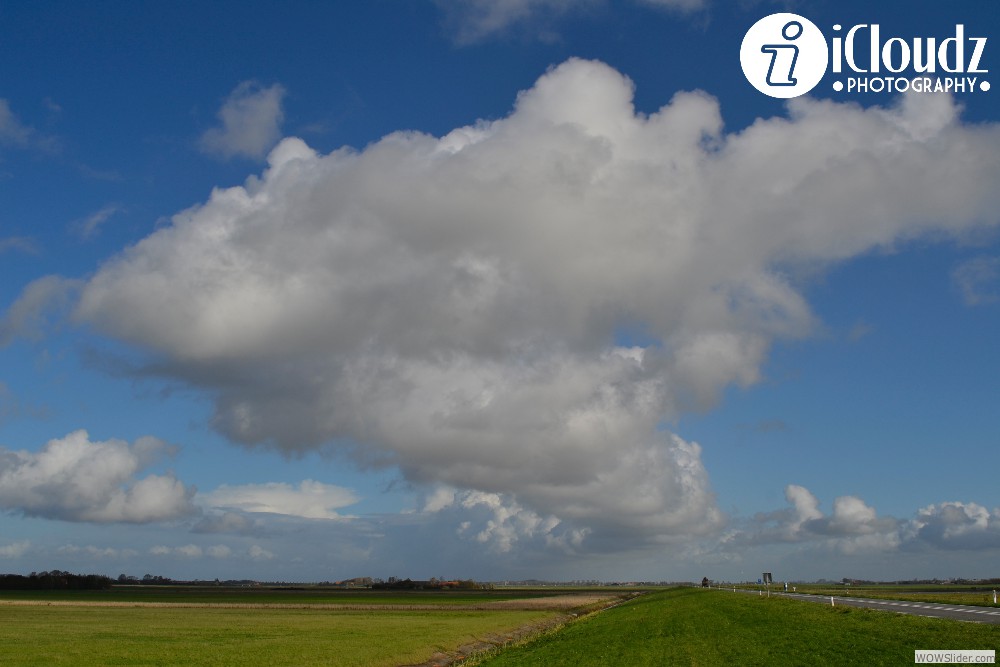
{"x": 691, "y": 626}
{"x": 50, "y": 635}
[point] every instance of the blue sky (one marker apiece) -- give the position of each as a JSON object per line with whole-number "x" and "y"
{"x": 532, "y": 288}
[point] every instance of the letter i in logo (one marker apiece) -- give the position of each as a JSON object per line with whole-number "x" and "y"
{"x": 783, "y": 57}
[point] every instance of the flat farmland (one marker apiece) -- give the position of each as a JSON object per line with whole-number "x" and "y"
{"x": 152, "y": 626}
{"x": 684, "y": 626}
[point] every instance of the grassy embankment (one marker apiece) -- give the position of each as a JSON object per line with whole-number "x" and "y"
{"x": 698, "y": 627}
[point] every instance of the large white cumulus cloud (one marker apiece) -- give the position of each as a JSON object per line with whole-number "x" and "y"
{"x": 457, "y": 306}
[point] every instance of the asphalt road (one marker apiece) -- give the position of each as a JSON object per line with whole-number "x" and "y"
{"x": 958, "y": 612}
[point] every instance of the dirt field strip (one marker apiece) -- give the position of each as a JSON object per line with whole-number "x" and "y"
{"x": 588, "y": 604}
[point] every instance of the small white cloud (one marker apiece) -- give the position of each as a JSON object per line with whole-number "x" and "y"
{"x": 860, "y": 330}
{"x": 472, "y": 21}
{"x": 15, "y": 133}
{"x": 20, "y": 244}
{"x": 851, "y": 515}
{"x": 957, "y": 525}
{"x": 90, "y": 226}
{"x": 475, "y": 20}
{"x": 854, "y": 527}
{"x": 190, "y": 551}
{"x": 74, "y": 479}
{"x": 12, "y": 131}
{"x": 15, "y": 550}
{"x": 978, "y": 280}
{"x": 440, "y": 498}
{"x": 679, "y": 5}
{"x": 257, "y": 552}
{"x": 806, "y": 506}
{"x": 310, "y": 499}
{"x": 28, "y": 316}
{"x": 251, "y": 122}
{"x": 91, "y": 551}
{"x": 508, "y": 521}
{"x": 219, "y": 551}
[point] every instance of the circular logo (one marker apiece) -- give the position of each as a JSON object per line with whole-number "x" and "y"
{"x": 784, "y": 55}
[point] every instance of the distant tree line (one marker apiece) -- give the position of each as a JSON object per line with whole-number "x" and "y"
{"x": 54, "y": 581}
{"x": 918, "y": 582}
{"x": 147, "y": 580}
{"x": 158, "y": 580}
{"x": 432, "y": 584}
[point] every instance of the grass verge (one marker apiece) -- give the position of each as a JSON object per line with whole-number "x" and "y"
{"x": 698, "y": 627}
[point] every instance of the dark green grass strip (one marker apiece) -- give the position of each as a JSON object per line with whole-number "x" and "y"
{"x": 699, "y": 627}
